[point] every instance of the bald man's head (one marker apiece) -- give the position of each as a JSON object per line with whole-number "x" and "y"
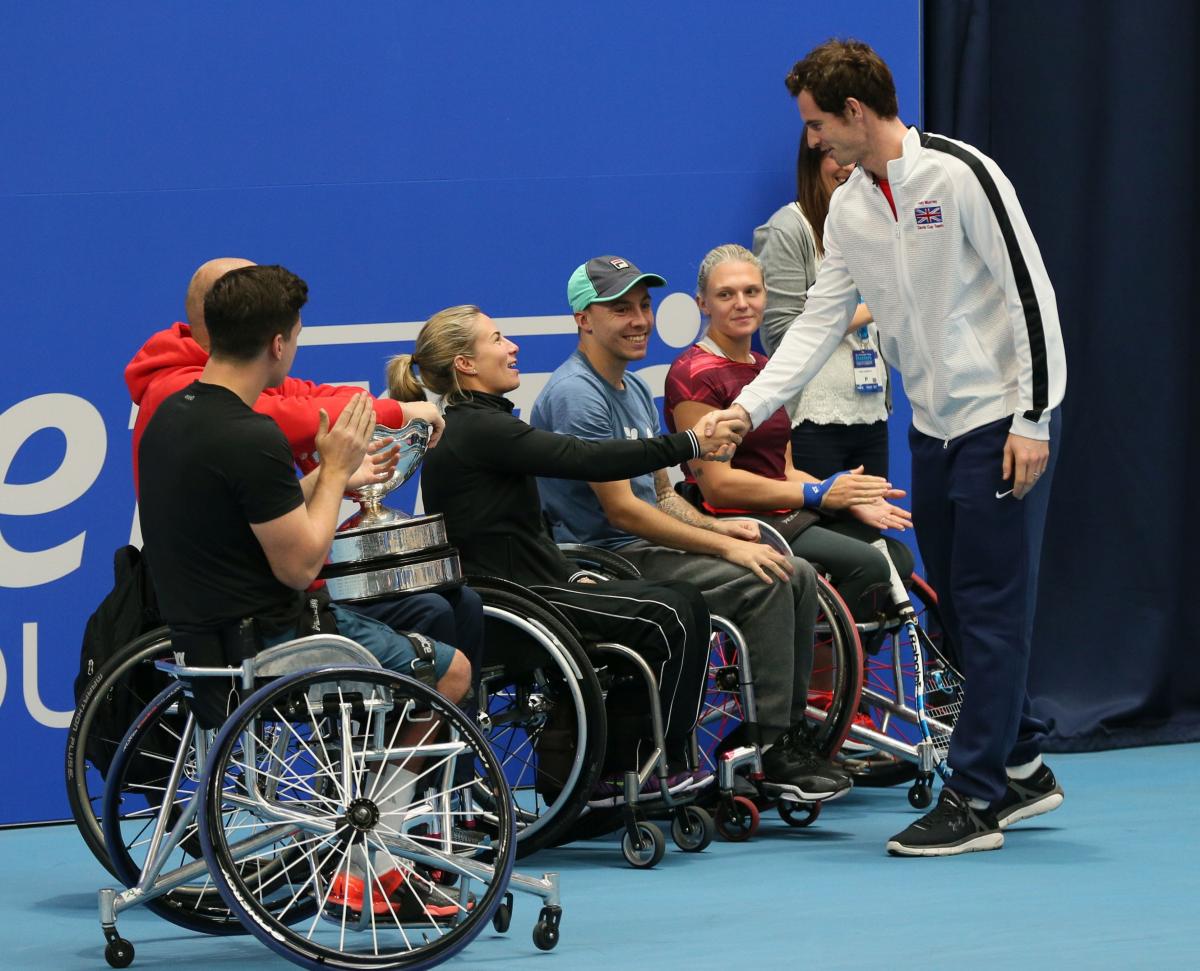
{"x": 202, "y": 281}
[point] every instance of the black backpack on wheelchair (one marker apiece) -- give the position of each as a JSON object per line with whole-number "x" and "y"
{"x": 129, "y": 610}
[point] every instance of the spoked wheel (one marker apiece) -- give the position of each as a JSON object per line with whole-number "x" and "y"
{"x": 887, "y": 685}
{"x": 722, "y": 713}
{"x": 651, "y": 849}
{"x": 542, "y": 710}
{"x": 161, "y": 744}
{"x": 837, "y": 671}
{"x": 108, "y": 705}
{"x": 387, "y": 873}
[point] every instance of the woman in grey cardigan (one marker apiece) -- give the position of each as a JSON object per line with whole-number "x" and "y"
{"x": 840, "y": 418}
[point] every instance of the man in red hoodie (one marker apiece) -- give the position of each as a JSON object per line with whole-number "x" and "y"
{"x": 173, "y": 358}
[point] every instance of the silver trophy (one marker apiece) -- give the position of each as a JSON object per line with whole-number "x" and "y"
{"x": 412, "y": 442}
{"x": 380, "y": 551}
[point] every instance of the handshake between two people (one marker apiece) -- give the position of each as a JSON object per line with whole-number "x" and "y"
{"x": 719, "y": 436}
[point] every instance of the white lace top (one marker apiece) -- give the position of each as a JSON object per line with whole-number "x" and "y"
{"x": 788, "y": 252}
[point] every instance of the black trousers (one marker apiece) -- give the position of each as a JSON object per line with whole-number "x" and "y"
{"x": 982, "y": 549}
{"x": 842, "y": 548}
{"x": 822, "y": 450}
{"x": 666, "y": 623}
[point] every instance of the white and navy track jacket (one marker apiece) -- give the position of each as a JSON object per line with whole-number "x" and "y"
{"x": 956, "y": 284}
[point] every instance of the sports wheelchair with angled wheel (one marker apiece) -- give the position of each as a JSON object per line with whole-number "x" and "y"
{"x": 258, "y": 825}
{"x": 727, "y": 738}
{"x": 542, "y": 707}
{"x": 894, "y": 726}
{"x": 911, "y": 691}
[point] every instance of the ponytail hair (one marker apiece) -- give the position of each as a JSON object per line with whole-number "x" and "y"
{"x": 402, "y": 381}
{"x": 448, "y": 334}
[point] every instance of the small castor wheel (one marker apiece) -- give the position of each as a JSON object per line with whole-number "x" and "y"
{"x": 545, "y": 931}
{"x": 920, "y": 796}
{"x": 118, "y": 953}
{"x": 692, "y": 829}
{"x": 503, "y": 915}
{"x": 737, "y": 820}
{"x": 651, "y": 850}
{"x": 799, "y": 813}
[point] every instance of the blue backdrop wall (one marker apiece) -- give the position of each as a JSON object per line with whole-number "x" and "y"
{"x": 401, "y": 157}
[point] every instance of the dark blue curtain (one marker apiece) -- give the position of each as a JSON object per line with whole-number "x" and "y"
{"x": 1091, "y": 109}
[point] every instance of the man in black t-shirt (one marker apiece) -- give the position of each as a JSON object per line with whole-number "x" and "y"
{"x": 229, "y": 529}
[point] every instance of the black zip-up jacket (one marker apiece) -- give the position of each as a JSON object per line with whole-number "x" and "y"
{"x": 481, "y": 478}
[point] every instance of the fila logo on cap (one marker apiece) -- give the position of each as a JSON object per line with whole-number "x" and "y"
{"x": 619, "y": 264}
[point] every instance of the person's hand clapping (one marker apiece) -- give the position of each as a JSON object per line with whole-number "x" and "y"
{"x": 377, "y": 465}
{"x": 881, "y": 514}
{"x": 851, "y": 488}
{"x": 343, "y": 446}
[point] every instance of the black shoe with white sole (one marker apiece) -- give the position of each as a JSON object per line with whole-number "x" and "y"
{"x": 950, "y": 828}
{"x": 810, "y": 780}
{"x": 1026, "y": 798}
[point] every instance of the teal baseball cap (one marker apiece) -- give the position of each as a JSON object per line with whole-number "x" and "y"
{"x": 605, "y": 278}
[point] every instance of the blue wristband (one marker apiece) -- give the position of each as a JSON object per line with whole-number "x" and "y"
{"x": 814, "y": 492}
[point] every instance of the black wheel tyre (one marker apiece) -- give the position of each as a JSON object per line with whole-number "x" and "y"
{"x": 652, "y": 849}
{"x": 118, "y": 953}
{"x": 561, "y": 677}
{"x": 502, "y": 919}
{"x": 837, "y": 635}
{"x": 799, "y": 813}
{"x": 880, "y": 773}
{"x": 739, "y": 823}
{"x": 126, "y": 681}
{"x": 692, "y": 829}
{"x": 920, "y": 796}
{"x": 545, "y": 936}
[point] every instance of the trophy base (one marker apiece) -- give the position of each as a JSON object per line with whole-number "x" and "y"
{"x": 371, "y": 516}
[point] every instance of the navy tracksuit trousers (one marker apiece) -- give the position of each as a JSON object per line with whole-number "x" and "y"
{"x": 981, "y": 550}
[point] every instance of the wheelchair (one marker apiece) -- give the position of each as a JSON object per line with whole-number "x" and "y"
{"x": 254, "y": 826}
{"x": 542, "y": 707}
{"x": 545, "y": 717}
{"x": 873, "y": 728}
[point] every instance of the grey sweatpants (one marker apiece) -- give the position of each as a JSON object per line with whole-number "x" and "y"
{"x": 777, "y": 620}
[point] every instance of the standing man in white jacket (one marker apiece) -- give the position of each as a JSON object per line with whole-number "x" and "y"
{"x": 930, "y": 232}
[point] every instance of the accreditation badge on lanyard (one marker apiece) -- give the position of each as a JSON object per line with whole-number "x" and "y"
{"x": 867, "y": 378}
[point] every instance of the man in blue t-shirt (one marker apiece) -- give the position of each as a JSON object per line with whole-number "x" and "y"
{"x": 771, "y": 597}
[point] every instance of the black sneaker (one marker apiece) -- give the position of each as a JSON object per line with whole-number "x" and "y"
{"x": 950, "y": 828}
{"x": 1026, "y": 798}
{"x": 803, "y": 742}
{"x": 811, "y": 780}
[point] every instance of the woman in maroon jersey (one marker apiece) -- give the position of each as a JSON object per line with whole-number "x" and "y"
{"x": 831, "y": 522}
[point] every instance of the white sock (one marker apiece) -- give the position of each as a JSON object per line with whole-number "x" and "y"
{"x": 978, "y": 804}
{"x": 1026, "y": 770}
{"x": 392, "y": 796}
{"x": 358, "y": 861}
{"x": 394, "y": 793}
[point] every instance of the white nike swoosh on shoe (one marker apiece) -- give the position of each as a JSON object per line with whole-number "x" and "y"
{"x": 1001, "y": 495}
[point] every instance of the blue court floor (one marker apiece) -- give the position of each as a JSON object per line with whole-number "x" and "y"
{"x": 1110, "y": 880}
